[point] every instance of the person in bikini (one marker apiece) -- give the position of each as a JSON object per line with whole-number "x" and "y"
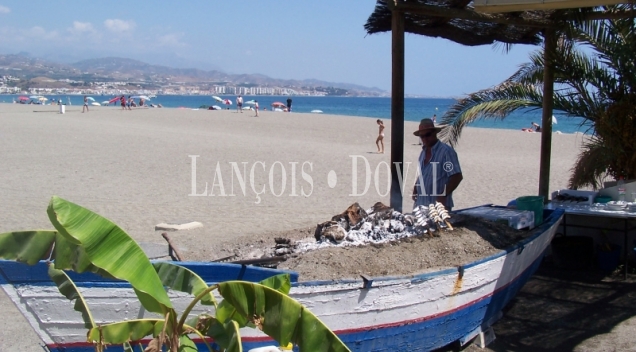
{"x": 379, "y": 142}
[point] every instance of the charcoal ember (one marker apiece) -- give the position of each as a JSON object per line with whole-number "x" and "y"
{"x": 281, "y": 240}
{"x": 283, "y": 251}
{"x": 352, "y": 218}
{"x": 397, "y": 216}
{"x": 382, "y": 211}
{"x": 396, "y": 226}
{"x": 332, "y": 231}
{"x": 318, "y": 232}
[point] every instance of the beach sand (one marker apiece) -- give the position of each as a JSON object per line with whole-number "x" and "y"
{"x": 136, "y": 168}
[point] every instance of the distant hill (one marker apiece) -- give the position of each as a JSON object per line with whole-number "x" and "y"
{"x": 121, "y": 69}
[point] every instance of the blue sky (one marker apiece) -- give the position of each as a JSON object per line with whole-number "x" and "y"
{"x": 289, "y": 39}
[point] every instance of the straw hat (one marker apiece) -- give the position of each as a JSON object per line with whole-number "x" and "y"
{"x": 427, "y": 125}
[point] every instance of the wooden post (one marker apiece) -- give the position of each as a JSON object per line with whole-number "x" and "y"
{"x": 397, "y": 109}
{"x": 546, "y": 119}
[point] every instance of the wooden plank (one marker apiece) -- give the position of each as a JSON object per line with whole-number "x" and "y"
{"x": 397, "y": 109}
{"x": 546, "y": 120}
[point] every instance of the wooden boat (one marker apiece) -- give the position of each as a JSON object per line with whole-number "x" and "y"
{"x": 410, "y": 313}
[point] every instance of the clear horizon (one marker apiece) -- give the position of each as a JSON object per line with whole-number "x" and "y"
{"x": 284, "y": 39}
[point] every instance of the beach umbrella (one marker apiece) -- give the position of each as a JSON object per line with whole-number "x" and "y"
{"x": 227, "y": 102}
{"x": 35, "y": 97}
{"x": 216, "y": 107}
{"x": 23, "y": 98}
{"x": 91, "y": 98}
{"x": 250, "y": 102}
{"x": 554, "y": 120}
{"x": 96, "y": 104}
{"x": 278, "y": 104}
{"x": 113, "y": 100}
{"x": 105, "y": 102}
{"x": 219, "y": 99}
{"x": 42, "y": 99}
{"x": 140, "y": 97}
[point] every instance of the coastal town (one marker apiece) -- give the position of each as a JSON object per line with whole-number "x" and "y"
{"x": 21, "y": 74}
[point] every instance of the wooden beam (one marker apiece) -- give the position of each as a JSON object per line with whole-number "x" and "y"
{"x": 455, "y": 13}
{"x": 500, "y": 6}
{"x": 397, "y": 108}
{"x": 546, "y": 119}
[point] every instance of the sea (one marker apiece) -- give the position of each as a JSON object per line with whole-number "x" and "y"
{"x": 415, "y": 109}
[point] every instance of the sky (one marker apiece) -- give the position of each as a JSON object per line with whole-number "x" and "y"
{"x": 282, "y": 39}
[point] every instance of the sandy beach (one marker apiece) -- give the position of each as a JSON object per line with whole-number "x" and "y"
{"x": 264, "y": 174}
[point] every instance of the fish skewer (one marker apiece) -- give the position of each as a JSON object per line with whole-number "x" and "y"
{"x": 421, "y": 216}
{"x": 434, "y": 215}
{"x": 443, "y": 213}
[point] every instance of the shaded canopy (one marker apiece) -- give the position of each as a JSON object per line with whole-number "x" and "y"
{"x": 456, "y": 20}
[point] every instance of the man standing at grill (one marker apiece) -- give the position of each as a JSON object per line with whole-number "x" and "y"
{"x": 439, "y": 170}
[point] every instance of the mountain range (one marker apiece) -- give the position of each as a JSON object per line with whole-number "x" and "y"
{"x": 113, "y": 69}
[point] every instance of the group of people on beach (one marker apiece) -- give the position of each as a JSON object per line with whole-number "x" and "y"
{"x": 535, "y": 128}
{"x": 239, "y": 105}
{"x": 439, "y": 170}
{"x": 128, "y": 104}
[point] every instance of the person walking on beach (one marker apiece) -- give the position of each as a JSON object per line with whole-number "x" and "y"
{"x": 256, "y": 107}
{"x": 439, "y": 170}
{"x": 379, "y": 142}
{"x": 85, "y": 104}
{"x": 434, "y": 118}
{"x": 239, "y": 103}
{"x": 289, "y": 102}
{"x": 122, "y": 101}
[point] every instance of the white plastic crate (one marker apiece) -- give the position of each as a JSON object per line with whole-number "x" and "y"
{"x": 517, "y": 219}
{"x": 570, "y": 196}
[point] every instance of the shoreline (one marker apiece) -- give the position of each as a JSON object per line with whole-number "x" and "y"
{"x": 415, "y": 109}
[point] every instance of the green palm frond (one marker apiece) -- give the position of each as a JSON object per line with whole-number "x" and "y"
{"x": 594, "y": 78}
{"x": 591, "y": 166}
{"x": 494, "y": 103}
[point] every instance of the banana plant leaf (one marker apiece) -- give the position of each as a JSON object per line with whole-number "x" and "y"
{"x": 184, "y": 280}
{"x": 67, "y": 287}
{"x": 26, "y": 246}
{"x": 226, "y": 335}
{"x": 30, "y": 247}
{"x": 280, "y": 317}
{"x": 186, "y": 344}
{"x": 125, "y": 331}
{"x": 225, "y": 310}
{"x": 108, "y": 247}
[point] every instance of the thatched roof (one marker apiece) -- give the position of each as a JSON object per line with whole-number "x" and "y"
{"x": 457, "y": 21}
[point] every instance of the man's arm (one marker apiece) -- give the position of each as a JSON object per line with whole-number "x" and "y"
{"x": 453, "y": 182}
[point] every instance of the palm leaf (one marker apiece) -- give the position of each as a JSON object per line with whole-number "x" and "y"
{"x": 67, "y": 287}
{"x": 184, "y": 280}
{"x": 108, "y": 247}
{"x": 26, "y": 246}
{"x": 186, "y": 344}
{"x": 280, "y": 317}
{"x": 121, "y": 332}
{"x": 226, "y": 335}
{"x": 225, "y": 311}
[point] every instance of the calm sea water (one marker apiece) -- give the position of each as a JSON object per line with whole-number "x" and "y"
{"x": 415, "y": 109}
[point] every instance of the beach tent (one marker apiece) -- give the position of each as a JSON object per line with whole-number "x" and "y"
{"x": 459, "y": 22}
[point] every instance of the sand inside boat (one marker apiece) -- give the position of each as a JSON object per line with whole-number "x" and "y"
{"x": 470, "y": 240}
